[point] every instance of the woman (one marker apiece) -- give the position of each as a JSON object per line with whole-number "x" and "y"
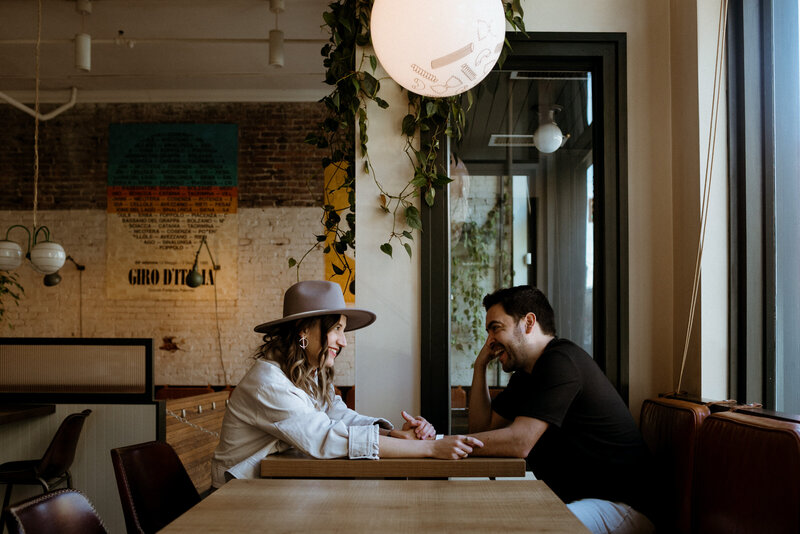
{"x": 286, "y": 400}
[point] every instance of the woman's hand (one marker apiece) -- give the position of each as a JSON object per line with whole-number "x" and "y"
{"x": 422, "y": 428}
{"x": 455, "y": 447}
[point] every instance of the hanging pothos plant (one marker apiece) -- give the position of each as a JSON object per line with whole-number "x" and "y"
{"x": 354, "y": 85}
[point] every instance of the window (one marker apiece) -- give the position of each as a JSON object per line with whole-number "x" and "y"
{"x": 764, "y": 112}
{"x": 589, "y": 69}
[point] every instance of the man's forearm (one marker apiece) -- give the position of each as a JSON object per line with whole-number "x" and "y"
{"x": 505, "y": 442}
{"x": 515, "y": 440}
{"x": 480, "y": 404}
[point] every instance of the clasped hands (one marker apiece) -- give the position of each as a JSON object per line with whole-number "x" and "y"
{"x": 449, "y": 447}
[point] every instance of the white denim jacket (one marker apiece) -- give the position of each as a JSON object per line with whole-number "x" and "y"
{"x": 267, "y": 414}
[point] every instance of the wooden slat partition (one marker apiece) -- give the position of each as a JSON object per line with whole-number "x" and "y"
{"x": 194, "y": 446}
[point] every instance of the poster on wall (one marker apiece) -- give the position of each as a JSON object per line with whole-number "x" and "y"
{"x": 339, "y": 266}
{"x": 170, "y": 186}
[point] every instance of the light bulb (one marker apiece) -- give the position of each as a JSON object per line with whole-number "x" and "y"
{"x": 548, "y": 137}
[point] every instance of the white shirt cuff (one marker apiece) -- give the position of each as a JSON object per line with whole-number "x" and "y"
{"x": 363, "y": 442}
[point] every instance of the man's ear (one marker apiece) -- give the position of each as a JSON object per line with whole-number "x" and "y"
{"x": 530, "y": 320}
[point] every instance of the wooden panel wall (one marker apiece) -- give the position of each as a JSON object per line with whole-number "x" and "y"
{"x": 193, "y": 426}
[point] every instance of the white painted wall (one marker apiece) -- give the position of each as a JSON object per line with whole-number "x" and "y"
{"x": 387, "y": 371}
{"x": 388, "y": 362}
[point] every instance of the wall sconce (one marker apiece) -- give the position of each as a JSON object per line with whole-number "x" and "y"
{"x": 194, "y": 278}
{"x": 53, "y": 279}
{"x": 440, "y": 48}
{"x": 276, "y": 36}
{"x": 548, "y": 137}
{"x": 46, "y": 257}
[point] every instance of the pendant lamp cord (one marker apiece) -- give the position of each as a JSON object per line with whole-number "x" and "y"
{"x": 712, "y": 137}
{"x": 36, "y": 116}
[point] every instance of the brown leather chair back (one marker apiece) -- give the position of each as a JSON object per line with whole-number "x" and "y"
{"x": 153, "y": 486}
{"x": 60, "y": 453}
{"x": 66, "y": 511}
{"x": 670, "y": 428}
{"x": 747, "y": 475}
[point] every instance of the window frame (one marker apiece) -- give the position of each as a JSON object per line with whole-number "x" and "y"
{"x": 607, "y": 54}
{"x": 763, "y": 126}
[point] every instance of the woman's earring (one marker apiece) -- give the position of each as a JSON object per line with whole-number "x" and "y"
{"x": 303, "y": 341}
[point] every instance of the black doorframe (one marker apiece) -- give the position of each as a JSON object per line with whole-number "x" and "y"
{"x": 605, "y": 55}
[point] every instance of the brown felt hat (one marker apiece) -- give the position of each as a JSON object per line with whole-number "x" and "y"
{"x": 312, "y": 298}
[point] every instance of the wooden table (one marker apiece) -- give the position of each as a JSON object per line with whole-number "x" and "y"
{"x": 293, "y": 465}
{"x": 292, "y": 505}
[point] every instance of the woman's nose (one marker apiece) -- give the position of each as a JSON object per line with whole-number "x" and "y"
{"x": 342, "y": 341}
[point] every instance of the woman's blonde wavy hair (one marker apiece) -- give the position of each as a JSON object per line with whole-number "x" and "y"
{"x": 281, "y": 345}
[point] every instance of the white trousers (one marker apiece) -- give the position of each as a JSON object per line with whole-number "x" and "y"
{"x": 606, "y": 517}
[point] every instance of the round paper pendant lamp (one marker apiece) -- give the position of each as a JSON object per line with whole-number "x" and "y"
{"x": 10, "y": 255}
{"x": 48, "y": 257}
{"x": 438, "y": 48}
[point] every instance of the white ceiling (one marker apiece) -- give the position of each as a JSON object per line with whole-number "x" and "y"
{"x": 170, "y": 51}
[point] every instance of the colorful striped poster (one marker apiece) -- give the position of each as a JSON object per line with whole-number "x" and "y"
{"x": 170, "y": 185}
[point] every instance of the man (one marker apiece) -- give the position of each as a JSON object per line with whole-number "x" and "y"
{"x": 561, "y": 413}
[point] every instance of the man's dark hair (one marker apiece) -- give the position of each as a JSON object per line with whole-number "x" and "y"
{"x": 518, "y": 301}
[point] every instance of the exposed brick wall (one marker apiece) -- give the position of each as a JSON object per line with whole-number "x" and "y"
{"x": 280, "y": 190}
{"x": 276, "y": 168}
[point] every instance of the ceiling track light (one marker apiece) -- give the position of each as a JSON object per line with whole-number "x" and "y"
{"x": 276, "y": 35}
{"x": 83, "y": 41}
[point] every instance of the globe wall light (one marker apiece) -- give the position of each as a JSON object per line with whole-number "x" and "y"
{"x": 46, "y": 256}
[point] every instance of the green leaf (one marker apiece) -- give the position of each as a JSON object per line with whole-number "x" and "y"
{"x": 413, "y": 218}
{"x": 337, "y": 269}
{"x": 292, "y": 262}
{"x": 373, "y": 62}
{"x": 409, "y": 125}
{"x": 430, "y": 109}
{"x": 429, "y": 194}
{"x": 407, "y": 234}
{"x": 420, "y": 180}
{"x": 408, "y": 249}
{"x": 386, "y": 248}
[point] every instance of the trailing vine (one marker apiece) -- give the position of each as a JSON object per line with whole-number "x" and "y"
{"x": 353, "y": 88}
{"x": 476, "y": 254}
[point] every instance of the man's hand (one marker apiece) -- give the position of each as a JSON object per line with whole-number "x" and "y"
{"x": 485, "y": 356}
{"x": 454, "y": 447}
{"x": 421, "y": 428}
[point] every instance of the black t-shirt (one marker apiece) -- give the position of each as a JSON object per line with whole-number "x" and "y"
{"x": 592, "y": 446}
